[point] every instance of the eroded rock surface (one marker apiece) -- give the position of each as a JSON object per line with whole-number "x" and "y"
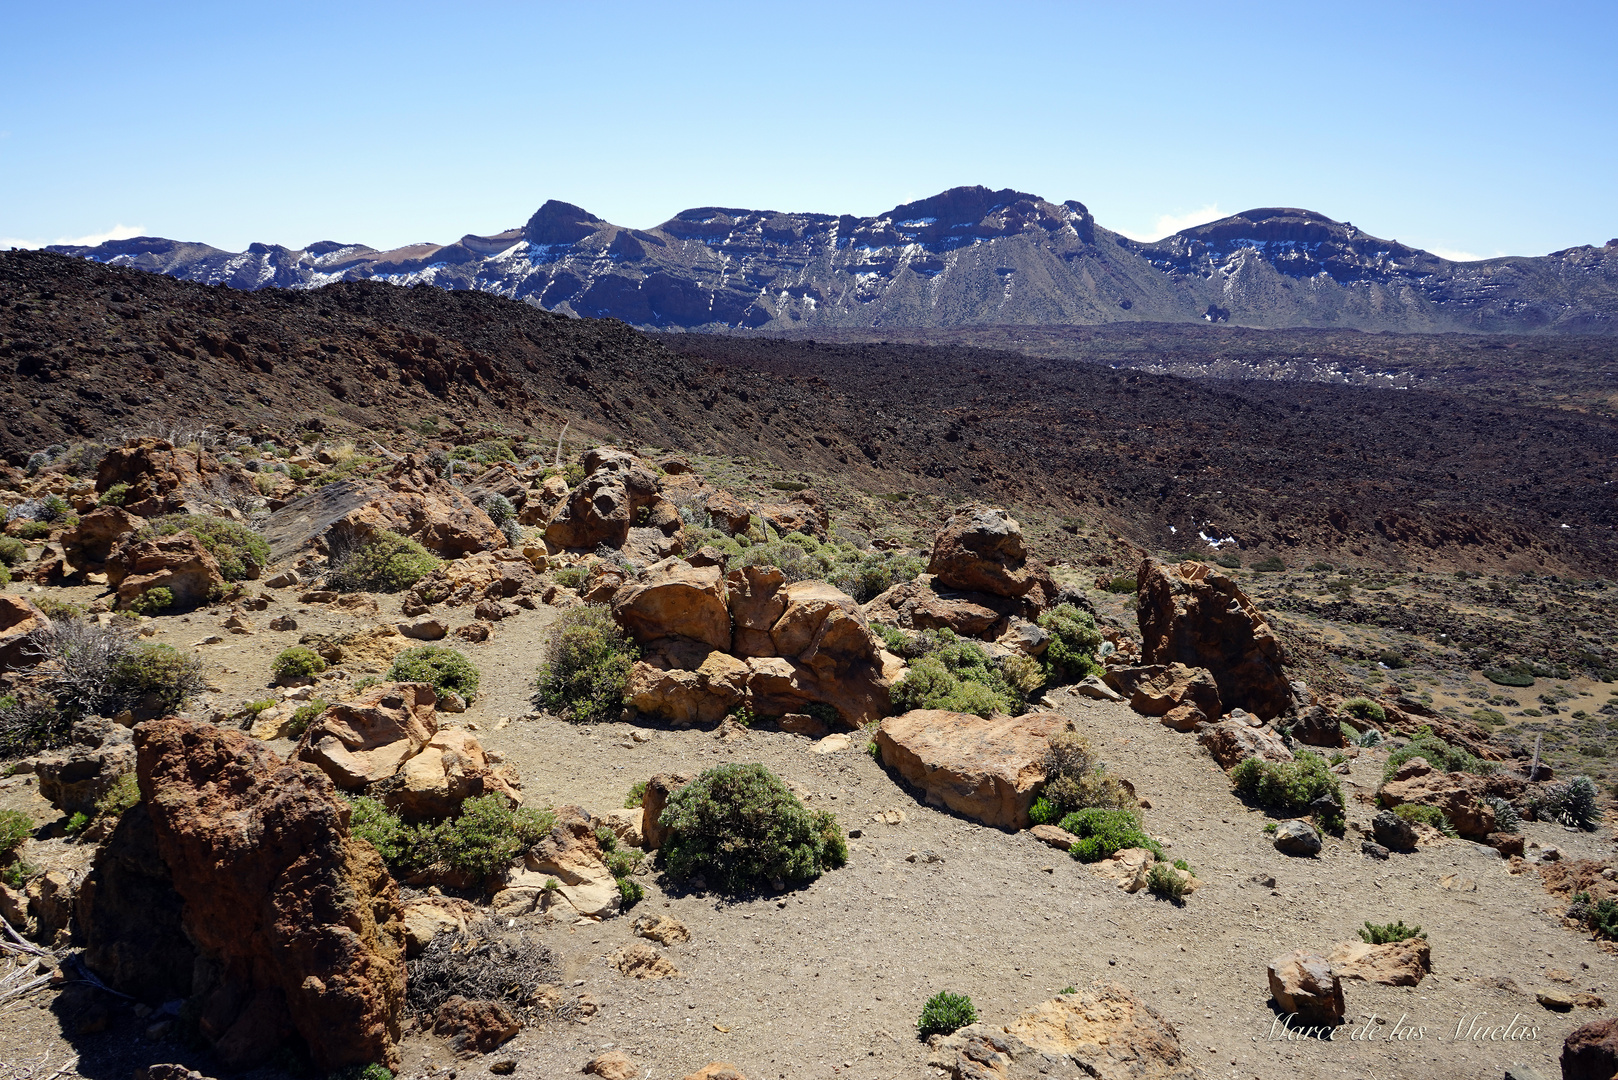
{"x": 989, "y": 770}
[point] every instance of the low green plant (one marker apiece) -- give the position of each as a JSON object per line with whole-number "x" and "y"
{"x": 77, "y": 823}
{"x": 743, "y": 715}
{"x": 448, "y": 670}
{"x": 1123, "y": 583}
{"x": 1164, "y": 883}
{"x": 1070, "y": 654}
{"x": 1289, "y": 787}
{"x": 297, "y": 473}
{"x": 1068, "y": 990}
{"x": 1385, "y": 933}
{"x": 15, "y": 827}
{"x": 122, "y": 795}
{"x": 1572, "y": 802}
{"x": 1417, "y": 814}
{"x": 630, "y": 893}
{"x": 34, "y": 530}
{"x": 585, "y": 666}
{"x": 1103, "y": 832}
{"x": 741, "y": 829}
{"x": 12, "y": 551}
{"x": 17, "y": 873}
{"x": 153, "y": 600}
{"x": 1363, "y": 708}
{"x": 304, "y": 715}
{"x": 1392, "y": 658}
{"x": 1506, "y": 818}
{"x": 59, "y": 609}
{"x": 1600, "y": 916}
{"x": 486, "y": 452}
{"x": 479, "y": 842}
{"x": 951, "y": 673}
{"x": 1270, "y": 565}
{"x": 636, "y": 796}
{"x": 296, "y": 662}
{"x": 1509, "y": 676}
{"x": 945, "y": 1013}
{"x": 1438, "y": 753}
{"x": 569, "y": 577}
{"x": 1229, "y": 560}
{"x": 157, "y": 678}
{"x": 1075, "y": 780}
{"x": 240, "y": 552}
{"x": 622, "y": 862}
{"x": 387, "y": 563}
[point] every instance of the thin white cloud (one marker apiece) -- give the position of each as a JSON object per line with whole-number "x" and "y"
{"x": 117, "y": 232}
{"x": 1173, "y": 223}
{"x": 1461, "y": 256}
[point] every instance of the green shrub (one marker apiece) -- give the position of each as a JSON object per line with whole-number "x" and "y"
{"x": 297, "y": 472}
{"x": 945, "y": 1013}
{"x": 1363, "y": 708}
{"x": 155, "y": 678}
{"x": 12, "y": 551}
{"x": 1270, "y": 565}
{"x": 5, "y": 576}
{"x": 374, "y": 823}
{"x": 636, "y": 796}
{"x": 1075, "y": 781}
{"x": 1506, "y": 818}
{"x": 1571, "y": 802}
{"x": 480, "y": 841}
{"x": 893, "y": 639}
{"x": 570, "y": 577}
{"x": 741, "y": 829}
{"x": 296, "y": 662}
{"x": 1601, "y": 916}
{"x": 1123, "y": 583}
{"x": 240, "y": 552}
{"x": 1439, "y": 754}
{"x": 585, "y": 666}
{"x": 159, "y": 598}
{"x": 34, "y": 530}
{"x": 1417, "y": 814}
{"x": 1289, "y": 787}
{"x": 1384, "y": 933}
{"x": 114, "y": 495}
{"x": 304, "y": 715}
{"x": 486, "y": 452}
{"x": 497, "y": 506}
{"x": 1509, "y": 676}
{"x": 387, "y": 563}
{"x": 1229, "y": 560}
{"x": 1392, "y": 658}
{"x": 1070, "y": 656}
{"x": 448, "y": 670}
{"x": 948, "y": 672}
{"x": 59, "y": 609}
{"x": 630, "y": 893}
{"x": 1104, "y": 832}
{"x": 1164, "y": 883}
{"x": 122, "y": 795}
{"x": 77, "y": 823}
{"x": 15, "y": 827}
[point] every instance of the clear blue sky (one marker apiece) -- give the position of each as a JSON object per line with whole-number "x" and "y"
{"x": 1472, "y": 128}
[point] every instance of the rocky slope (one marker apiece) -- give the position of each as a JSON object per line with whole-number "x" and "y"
{"x": 1385, "y": 477}
{"x": 969, "y": 256}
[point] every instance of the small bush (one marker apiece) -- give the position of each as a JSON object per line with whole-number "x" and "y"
{"x": 1164, "y": 883}
{"x": 15, "y": 827}
{"x": 153, "y": 600}
{"x": 486, "y": 452}
{"x": 34, "y": 530}
{"x": 1270, "y": 565}
{"x": 240, "y": 552}
{"x": 570, "y": 577}
{"x": 630, "y": 893}
{"x": 5, "y": 576}
{"x": 1070, "y": 656}
{"x": 1439, "y": 754}
{"x": 1104, "y": 832}
{"x": 387, "y": 563}
{"x": 1124, "y": 583}
{"x": 636, "y": 796}
{"x": 1571, "y": 802}
{"x": 296, "y": 662}
{"x": 1506, "y": 818}
{"x": 12, "y": 551}
{"x": 1229, "y": 560}
{"x": 1425, "y": 815}
{"x": 1363, "y": 708}
{"x": 945, "y": 1013}
{"x": 1384, "y": 933}
{"x": 304, "y": 715}
{"x": 741, "y": 829}
{"x": 1508, "y": 677}
{"x": 585, "y": 667}
{"x": 480, "y": 841}
{"x": 1289, "y": 787}
{"x": 59, "y": 609}
{"x": 1392, "y": 658}
{"x": 448, "y": 670}
{"x": 497, "y": 506}
{"x": 155, "y": 678}
{"x": 1075, "y": 781}
{"x": 122, "y": 795}
{"x": 1601, "y": 917}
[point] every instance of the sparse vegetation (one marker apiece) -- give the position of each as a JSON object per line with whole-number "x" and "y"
{"x": 12, "y": 551}
{"x": 587, "y": 659}
{"x": 1164, "y": 883}
{"x": 1290, "y": 787}
{"x": 945, "y": 1013}
{"x": 385, "y": 563}
{"x": 739, "y": 828}
{"x": 153, "y": 600}
{"x": 1363, "y": 708}
{"x": 480, "y": 841}
{"x": 1438, "y": 753}
{"x": 1075, "y": 780}
{"x": 240, "y": 552}
{"x": 1104, "y": 832}
{"x": 953, "y": 673}
{"x": 637, "y": 795}
{"x": 1509, "y": 676}
{"x": 1070, "y": 656}
{"x": 15, "y": 827}
{"x": 1384, "y": 933}
{"x": 448, "y": 670}
{"x": 296, "y": 662}
{"x": 1432, "y": 816}
{"x": 1571, "y": 802}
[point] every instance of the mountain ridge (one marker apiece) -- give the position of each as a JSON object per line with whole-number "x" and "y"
{"x": 969, "y": 256}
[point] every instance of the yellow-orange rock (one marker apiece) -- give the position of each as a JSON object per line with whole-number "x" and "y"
{"x": 675, "y": 599}
{"x": 988, "y": 770}
{"x": 1394, "y": 963}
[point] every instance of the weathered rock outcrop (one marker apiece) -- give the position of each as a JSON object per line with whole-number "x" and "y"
{"x": 602, "y": 509}
{"x": 803, "y": 513}
{"x": 299, "y": 922}
{"x": 1590, "y": 1052}
{"x": 1184, "y": 697}
{"x": 178, "y": 563}
{"x": 653, "y": 801}
{"x": 1105, "y": 1032}
{"x": 988, "y": 770}
{"x": 1305, "y": 986}
{"x": 488, "y": 575}
{"x": 675, "y": 599}
{"x": 72, "y": 779}
{"x": 450, "y": 769}
{"x": 572, "y": 856}
{"x": 1458, "y": 795}
{"x": 158, "y": 475}
{"x": 23, "y": 631}
{"x": 363, "y": 741}
{"x": 922, "y": 605}
{"x": 1232, "y": 741}
{"x": 980, "y": 549}
{"x": 1395, "y": 963}
{"x": 87, "y": 545}
{"x": 1194, "y": 615}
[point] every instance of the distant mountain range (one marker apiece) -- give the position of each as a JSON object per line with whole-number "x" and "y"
{"x": 967, "y": 257}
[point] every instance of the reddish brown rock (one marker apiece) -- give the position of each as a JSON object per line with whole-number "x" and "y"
{"x": 87, "y": 545}
{"x": 300, "y": 921}
{"x": 23, "y": 632}
{"x": 686, "y": 682}
{"x": 918, "y": 605}
{"x": 178, "y": 563}
{"x": 1161, "y": 689}
{"x": 363, "y": 741}
{"x": 448, "y": 770}
{"x": 1193, "y": 615}
{"x": 488, "y": 575}
{"x": 1233, "y": 741}
{"x": 1395, "y": 963}
{"x": 1458, "y": 795}
{"x": 717, "y": 1070}
{"x": 1306, "y": 989}
{"x": 988, "y": 770}
{"x": 474, "y": 1027}
{"x": 601, "y": 510}
{"x": 652, "y": 804}
{"x": 980, "y": 549}
{"x": 158, "y": 475}
{"x": 613, "y": 1065}
{"x": 728, "y": 512}
{"x": 804, "y": 513}
{"x": 1590, "y": 1052}
{"x": 757, "y": 599}
{"x": 675, "y": 599}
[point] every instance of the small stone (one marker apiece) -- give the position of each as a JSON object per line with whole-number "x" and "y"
{"x": 1297, "y": 838}
{"x": 1556, "y": 1000}
{"x": 612, "y": 1066}
{"x": 451, "y": 702}
{"x": 1373, "y": 849}
{"x": 283, "y": 623}
{"x": 503, "y": 1067}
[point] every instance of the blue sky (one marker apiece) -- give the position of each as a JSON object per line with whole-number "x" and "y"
{"x": 1469, "y": 129}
